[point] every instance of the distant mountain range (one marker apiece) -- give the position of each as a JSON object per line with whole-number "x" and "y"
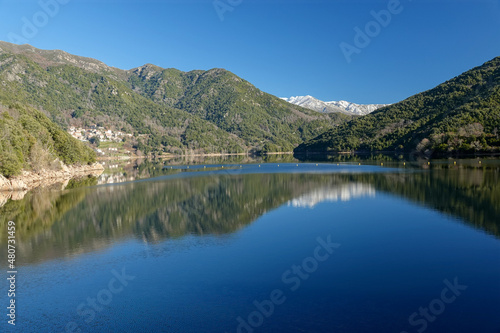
{"x": 461, "y": 115}
{"x": 166, "y": 110}
{"x": 349, "y": 108}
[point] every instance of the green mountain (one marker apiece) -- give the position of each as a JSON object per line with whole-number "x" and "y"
{"x": 77, "y": 91}
{"x": 233, "y": 104}
{"x": 167, "y": 110}
{"x": 461, "y": 115}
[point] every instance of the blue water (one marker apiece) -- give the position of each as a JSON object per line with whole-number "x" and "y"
{"x": 389, "y": 257}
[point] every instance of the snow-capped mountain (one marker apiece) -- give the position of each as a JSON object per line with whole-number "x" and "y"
{"x": 327, "y": 107}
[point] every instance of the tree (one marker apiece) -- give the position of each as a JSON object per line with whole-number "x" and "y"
{"x": 95, "y": 140}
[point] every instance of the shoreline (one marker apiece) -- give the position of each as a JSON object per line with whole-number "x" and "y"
{"x": 136, "y": 157}
{"x": 30, "y": 180}
{"x": 383, "y": 152}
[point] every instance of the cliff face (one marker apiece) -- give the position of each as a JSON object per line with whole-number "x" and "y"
{"x": 29, "y": 180}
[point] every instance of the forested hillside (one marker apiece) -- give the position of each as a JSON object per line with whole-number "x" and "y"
{"x": 459, "y": 116}
{"x": 232, "y": 104}
{"x": 29, "y": 140}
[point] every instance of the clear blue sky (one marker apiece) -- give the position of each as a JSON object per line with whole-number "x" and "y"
{"x": 284, "y": 47}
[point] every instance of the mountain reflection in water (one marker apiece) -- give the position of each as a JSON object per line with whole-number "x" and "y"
{"x": 53, "y": 224}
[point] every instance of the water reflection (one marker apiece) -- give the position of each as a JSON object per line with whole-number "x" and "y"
{"x": 120, "y": 170}
{"x": 338, "y": 193}
{"x": 53, "y": 223}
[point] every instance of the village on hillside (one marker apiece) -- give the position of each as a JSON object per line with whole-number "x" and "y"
{"x": 85, "y": 134}
{"x": 106, "y": 138}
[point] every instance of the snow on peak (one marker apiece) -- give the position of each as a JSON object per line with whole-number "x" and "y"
{"x": 333, "y": 106}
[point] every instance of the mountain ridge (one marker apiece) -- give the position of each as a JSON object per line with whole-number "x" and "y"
{"x": 168, "y": 110}
{"x": 342, "y": 106}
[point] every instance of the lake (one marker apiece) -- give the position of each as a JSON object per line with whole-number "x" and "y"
{"x": 333, "y": 246}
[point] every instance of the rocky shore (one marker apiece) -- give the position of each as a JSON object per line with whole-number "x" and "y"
{"x": 29, "y": 180}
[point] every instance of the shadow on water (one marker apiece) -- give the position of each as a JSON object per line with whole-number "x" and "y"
{"x": 53, "y": 224}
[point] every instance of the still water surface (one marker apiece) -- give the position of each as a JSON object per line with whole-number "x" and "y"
{"x": 263, "y": 248}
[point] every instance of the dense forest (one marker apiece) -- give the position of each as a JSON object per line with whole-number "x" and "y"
{"x": 461, "y": 115}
